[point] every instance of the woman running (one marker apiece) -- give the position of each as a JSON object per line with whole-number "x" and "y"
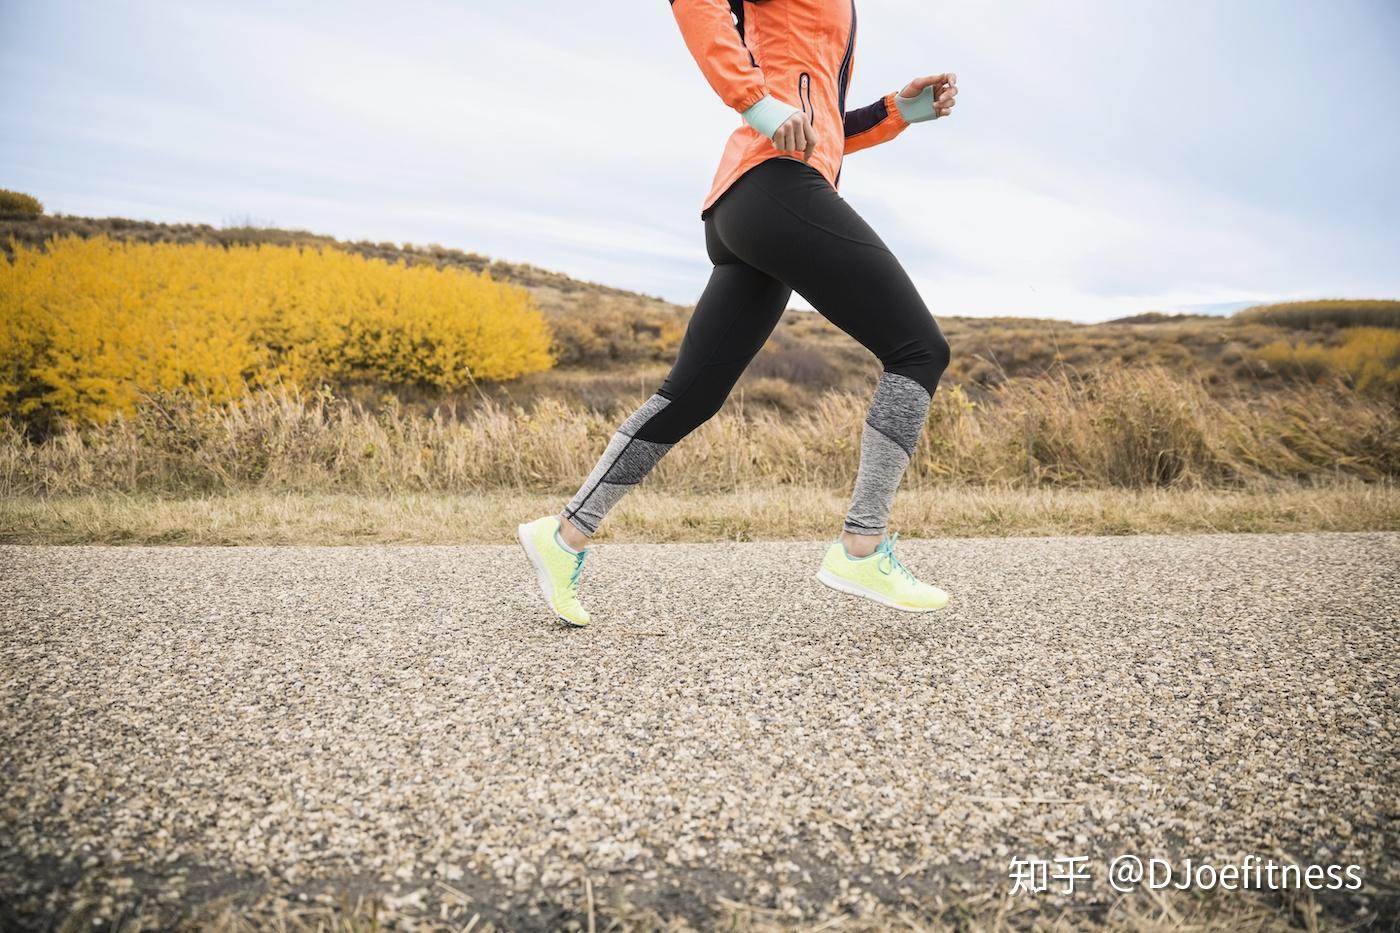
{"x": 774, "y": 224}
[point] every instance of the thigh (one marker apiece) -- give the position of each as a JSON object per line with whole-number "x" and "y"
{"x": 735, "y": 315}
{"x": 795, "y": 227}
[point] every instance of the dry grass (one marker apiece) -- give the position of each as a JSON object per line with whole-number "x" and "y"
{"x": 259, "y": 518}
{"x": 1129, "y": 429}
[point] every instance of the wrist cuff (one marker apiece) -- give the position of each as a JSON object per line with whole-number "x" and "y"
{"x": 918, "y": 108}
{"x": 768, "y": 114}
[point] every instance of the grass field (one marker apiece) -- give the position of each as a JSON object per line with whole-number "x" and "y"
{"x": 803, "y": 513}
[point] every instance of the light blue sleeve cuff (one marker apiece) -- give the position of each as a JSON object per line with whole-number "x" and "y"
{"x": 918, "y": 108}
{"x": 768, "y": 114}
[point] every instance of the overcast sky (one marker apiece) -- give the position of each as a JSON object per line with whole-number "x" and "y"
{"x": 1105, "y": 157}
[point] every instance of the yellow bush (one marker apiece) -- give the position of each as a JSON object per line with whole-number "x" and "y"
{"x": 87, "y": 326}
{"x": 1368, "y": 356}
{"x": 17, "y": 202}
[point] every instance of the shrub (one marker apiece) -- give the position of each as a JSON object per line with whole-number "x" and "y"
{"x": 1334, "y": 312}
{"x": 601, "y": 330}
{"x": 89, "y": 326}
{"x": 797, "y": 364}
{"x": 18, "y": 203}
{"x": 1369, "y": 357}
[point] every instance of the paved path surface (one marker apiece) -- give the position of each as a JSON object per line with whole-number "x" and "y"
{"x": 180, "y": 725}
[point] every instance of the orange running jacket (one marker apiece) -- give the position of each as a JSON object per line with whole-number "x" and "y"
{"x": 801, "y": 52}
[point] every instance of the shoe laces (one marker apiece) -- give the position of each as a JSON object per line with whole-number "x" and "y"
{"x": 888, "y": 563}
{"x": 578, "y": 571}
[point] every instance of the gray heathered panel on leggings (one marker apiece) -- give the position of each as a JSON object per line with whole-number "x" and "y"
{"x": 897, "y": 415}
{"x": 635, "y": 462}
{"x": 601, "y": 499}
{"x": 624, "y": 463}
{"x": 640, "y": 417}
{"x": 882, "y": 464}
{"x": 899, "y": 409}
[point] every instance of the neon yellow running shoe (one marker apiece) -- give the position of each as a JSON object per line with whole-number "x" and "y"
{"x": 881, "y": 577}
{"x": 558, "y": 569}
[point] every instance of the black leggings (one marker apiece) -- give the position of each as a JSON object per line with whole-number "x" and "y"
{"x": 780, "y": 228}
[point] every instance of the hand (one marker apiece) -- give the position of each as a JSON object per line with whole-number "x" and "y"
{"x": 796, "y": 135}
{"x": 945, "y": 91}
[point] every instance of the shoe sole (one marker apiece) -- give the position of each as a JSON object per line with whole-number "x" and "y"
{"x": 542, "y": 575}
{"x": 854, "y": 589}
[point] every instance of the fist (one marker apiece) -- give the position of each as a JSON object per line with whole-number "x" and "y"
{"x": 796, "y": 135}
{"x": 945, "y": 91}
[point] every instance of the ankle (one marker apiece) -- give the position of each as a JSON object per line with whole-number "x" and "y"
{"x": 570, "y": 535}
{"x": 859, "y": 545}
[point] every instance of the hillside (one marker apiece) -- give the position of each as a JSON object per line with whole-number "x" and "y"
{"x": 612, "y": 344}
{"x": 554, "y": 291}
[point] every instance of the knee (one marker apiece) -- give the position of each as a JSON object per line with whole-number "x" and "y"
{"x": 696, "y": 408}
{"x": 682, "y": 415}
{"x": 924, "y": 359}
{"x": 939, "y": 354}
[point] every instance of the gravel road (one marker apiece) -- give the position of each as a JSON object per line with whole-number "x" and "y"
{"x": 270, "y": 726}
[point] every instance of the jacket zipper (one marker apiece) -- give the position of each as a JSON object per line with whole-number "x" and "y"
{"x": 804, "y": 97}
